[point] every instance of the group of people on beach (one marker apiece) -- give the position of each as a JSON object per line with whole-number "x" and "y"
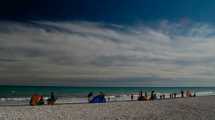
{"x": 153, "y": 96}
{"x": 162, "y": 96}
{"x": 100, "y": 98}
{"x": 39, "y": 99}
{"x": 141, "y": 97}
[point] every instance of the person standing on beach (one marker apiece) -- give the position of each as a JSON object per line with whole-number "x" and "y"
{"x": 170, "y": 95}
{"x": 164, "y": 97}
{"x": 152, "y": 95}
{"x": 89, "y": 96}
{"x": 132, "y": 97}
{"x": 175, "y": 95}
{"x": 108, "y": 98}
{"x": 182, "y": 93}
{"x": 52, "y": 99}
{"x": 141, "y": 98}
{"x": 194, "y": 95}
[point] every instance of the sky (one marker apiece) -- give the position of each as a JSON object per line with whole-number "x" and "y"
{"x": 107, "y": 43}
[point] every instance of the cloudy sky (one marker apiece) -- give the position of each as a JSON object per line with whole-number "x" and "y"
{"x": 107, "y": 43}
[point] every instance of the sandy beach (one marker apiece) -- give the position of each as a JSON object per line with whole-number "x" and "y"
{"x": 198, "y": 108}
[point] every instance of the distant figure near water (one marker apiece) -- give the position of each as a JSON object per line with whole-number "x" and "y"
{"x": 188, "y": 93}
{"x": 89, "y": 96}
{"x": 153, "y": 95}
{"x": 164, "y": 96}
{"x": 194, "y": 95}
{"x": 182, "y": 93}
{"x": 160, "y": 97}
{"x": 170, "y": 95}
{"x": 140, "y": 97}
{"x": 52, "y": 99}
{"x": 174, "y": 94}
{"x": 132, "y": 97}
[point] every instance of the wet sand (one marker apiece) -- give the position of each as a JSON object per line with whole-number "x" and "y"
{"x": 198, "y": 108}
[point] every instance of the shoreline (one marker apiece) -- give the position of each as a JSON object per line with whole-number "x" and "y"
{"x": 24, "y": 101}
{"x": 80, "y": 103}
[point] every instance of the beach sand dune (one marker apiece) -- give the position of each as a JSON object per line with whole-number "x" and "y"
{"x": 199, "y": 108}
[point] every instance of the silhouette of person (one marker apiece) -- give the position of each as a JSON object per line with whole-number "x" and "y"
{"x": 174, "y": 95}
{"x": 152, "y": 95}
{"x": 160, "y": 97}
{"x": 182, "y": 93}
{"x": 89, "y": 95}
{"x": 194, "y": 95}
{"x": 132, "y": 97}
{"x": 163, "y": 96}
{"x": 52, "y": 99}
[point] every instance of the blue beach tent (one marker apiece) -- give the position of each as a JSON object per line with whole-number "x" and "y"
{"x": 98, "y": 99}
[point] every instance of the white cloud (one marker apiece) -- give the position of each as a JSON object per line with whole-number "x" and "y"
{"x": 82, "y": 50}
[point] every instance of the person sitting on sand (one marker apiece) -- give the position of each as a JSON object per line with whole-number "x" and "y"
{"x": 52, "y": 99}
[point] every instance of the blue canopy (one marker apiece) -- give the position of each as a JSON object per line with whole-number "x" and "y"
{"x": 98, "y": 99}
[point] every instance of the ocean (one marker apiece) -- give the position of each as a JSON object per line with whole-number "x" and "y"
{"x": 20, "y": 95}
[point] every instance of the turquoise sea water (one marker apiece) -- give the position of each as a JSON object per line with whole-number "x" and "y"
{"x": 26, "y": 91}
{"x": 20, "y": 95}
